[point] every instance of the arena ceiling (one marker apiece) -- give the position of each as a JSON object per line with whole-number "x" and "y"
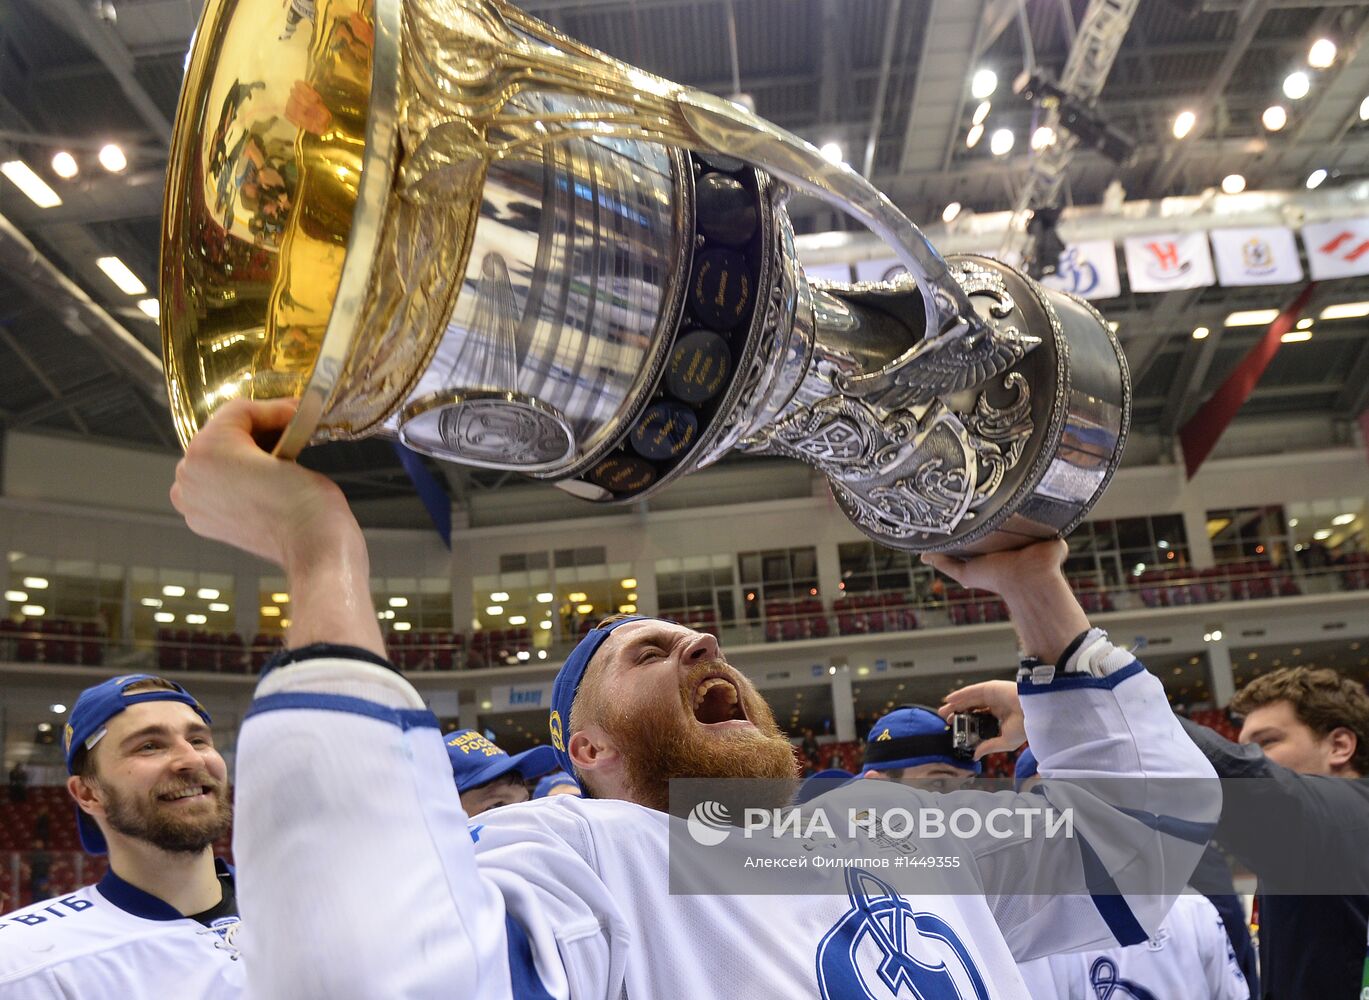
{"x": 888, "y": 80}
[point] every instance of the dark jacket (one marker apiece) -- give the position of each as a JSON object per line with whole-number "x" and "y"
{"x": 1305, "y": 837}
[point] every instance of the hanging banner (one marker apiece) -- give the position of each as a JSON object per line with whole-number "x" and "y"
{"x": 1167, "y": 262}
{"x": 1263, "y": 255}
{"x": 1087, "y": 269}
{"x": 1337, "y": 249}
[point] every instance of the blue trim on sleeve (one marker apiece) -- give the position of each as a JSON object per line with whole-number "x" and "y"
{"x": 404, "y": 718}
{"x": 1077, "y": 682}
{"x": 1112, "y": 905}
{"x": 1184, "y": 829}
{"x": 527, "y": 984}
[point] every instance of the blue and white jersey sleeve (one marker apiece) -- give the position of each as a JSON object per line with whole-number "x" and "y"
{"x": 1143, "y": 800}
{"x": 346, "y": 797}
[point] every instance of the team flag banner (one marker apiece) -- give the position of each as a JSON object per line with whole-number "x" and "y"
{"x": 1165, "y": 262}
{"x": 1263, "y": 255}
{"x": 1337, "y": 249}
{"x": 1087, "y": 269}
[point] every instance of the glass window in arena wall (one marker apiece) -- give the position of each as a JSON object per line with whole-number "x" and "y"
{"x": 781, "y": 575}
{"x": 1249, "y": 534}
{"x": 163, "y": 602}
{"x": 1112, "y": 553}
{"x": 698, "y": 591}
{"x": 870, "y": 568}
{"x": 545, "y": 598}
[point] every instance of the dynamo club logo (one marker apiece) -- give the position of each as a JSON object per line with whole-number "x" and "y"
{"x": 883, "y": 950}
{"x": 1107, "y": 985}
{"x": 1074, "y": 273}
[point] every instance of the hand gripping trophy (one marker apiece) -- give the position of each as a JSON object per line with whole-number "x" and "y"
{"x": 443, "y": 221}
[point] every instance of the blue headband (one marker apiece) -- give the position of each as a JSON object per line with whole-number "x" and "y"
{"x": 567, "y": 683}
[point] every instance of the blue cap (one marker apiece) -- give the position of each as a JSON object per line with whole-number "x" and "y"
{"x": 557, "y": 779}
{"x": 476, "y": 761}
{"x": 910, "y": 736}
{"x": 567, "y": 683}
{"x": 86, "y": 726}
{"x": 1025, "y": 768}
{"x": 820, "y": 784}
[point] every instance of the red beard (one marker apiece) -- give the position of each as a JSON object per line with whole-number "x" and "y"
{"x": 663, "y": 740}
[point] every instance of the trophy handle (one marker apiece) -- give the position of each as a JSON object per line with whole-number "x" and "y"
{"x": 731, "y": 130}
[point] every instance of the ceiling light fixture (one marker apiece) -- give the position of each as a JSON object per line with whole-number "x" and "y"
{"x": 832, "y": 152}
{"x": 1322, "y": 53}
{"x": 1305, "y": 324}
{"x": 980, "y": 113}
{"x": 949, "y": 213}
{"x": 34, "y": 187}
{"x": 64, "y": 165}
{"x": 1200, "y": 332}
{"x": 1341, "y": 519}
{"x": 1043, "y": 138}
{"x": 973, "y": 136}
{"x": 1346, "y": 310}
{"x": 36, "y": 582}
{"x": 983, "y": 84}
{"x": 1296, "y": 336}
{"x": 1315, "y": 178}
{"x": 1297, "y": 85}
{"x": 117, "y": 271}
{"x": 1251, "y": 317}
{"x": 152, "y": 307}
{"x": 173, "y": 590}
{"x": 1002, "y": 142}
{"x": 1275, "y": 117}
{"x": 1233, "y": 183}
{"x": 1183, "y": 124}
{"x": 112, "y": 158}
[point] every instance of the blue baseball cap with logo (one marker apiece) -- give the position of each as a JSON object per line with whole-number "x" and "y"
{"x": 86, "y": 726}
{"x": 553, "y": 781}
{"x": 567, "y": 683}
{"x": 476, "y": 761}
{"x": 909, "y": 736}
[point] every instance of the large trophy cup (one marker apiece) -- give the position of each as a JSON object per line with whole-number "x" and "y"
{"x": 444, "y": 221}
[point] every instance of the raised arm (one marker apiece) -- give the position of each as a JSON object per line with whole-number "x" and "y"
{"x": 1143, "y": 797}
{"x": 230, "y": 489}
{"x": 357, "y": 873}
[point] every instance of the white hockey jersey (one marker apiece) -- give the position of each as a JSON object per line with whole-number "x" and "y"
{"x": 112, "y": 940}
{"x": 345, "y": 800}
{"x": 1188, "y": 958}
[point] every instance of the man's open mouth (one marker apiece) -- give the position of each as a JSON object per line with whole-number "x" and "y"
{"x": 716, "y": 700}
{"x": 191, "y": 792}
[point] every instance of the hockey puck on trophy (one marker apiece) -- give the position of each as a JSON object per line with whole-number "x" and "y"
{"x": 726, "y": 211}
{"x": 699, "y": 367}
{"x": 720, "y": 292}
{"x": 623, "y": 475}
{"x": 666, "y": 430}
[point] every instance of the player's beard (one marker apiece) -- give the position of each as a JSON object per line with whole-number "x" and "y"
{"x": 663, "y": 740}
{"x": 152, "y": 820}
